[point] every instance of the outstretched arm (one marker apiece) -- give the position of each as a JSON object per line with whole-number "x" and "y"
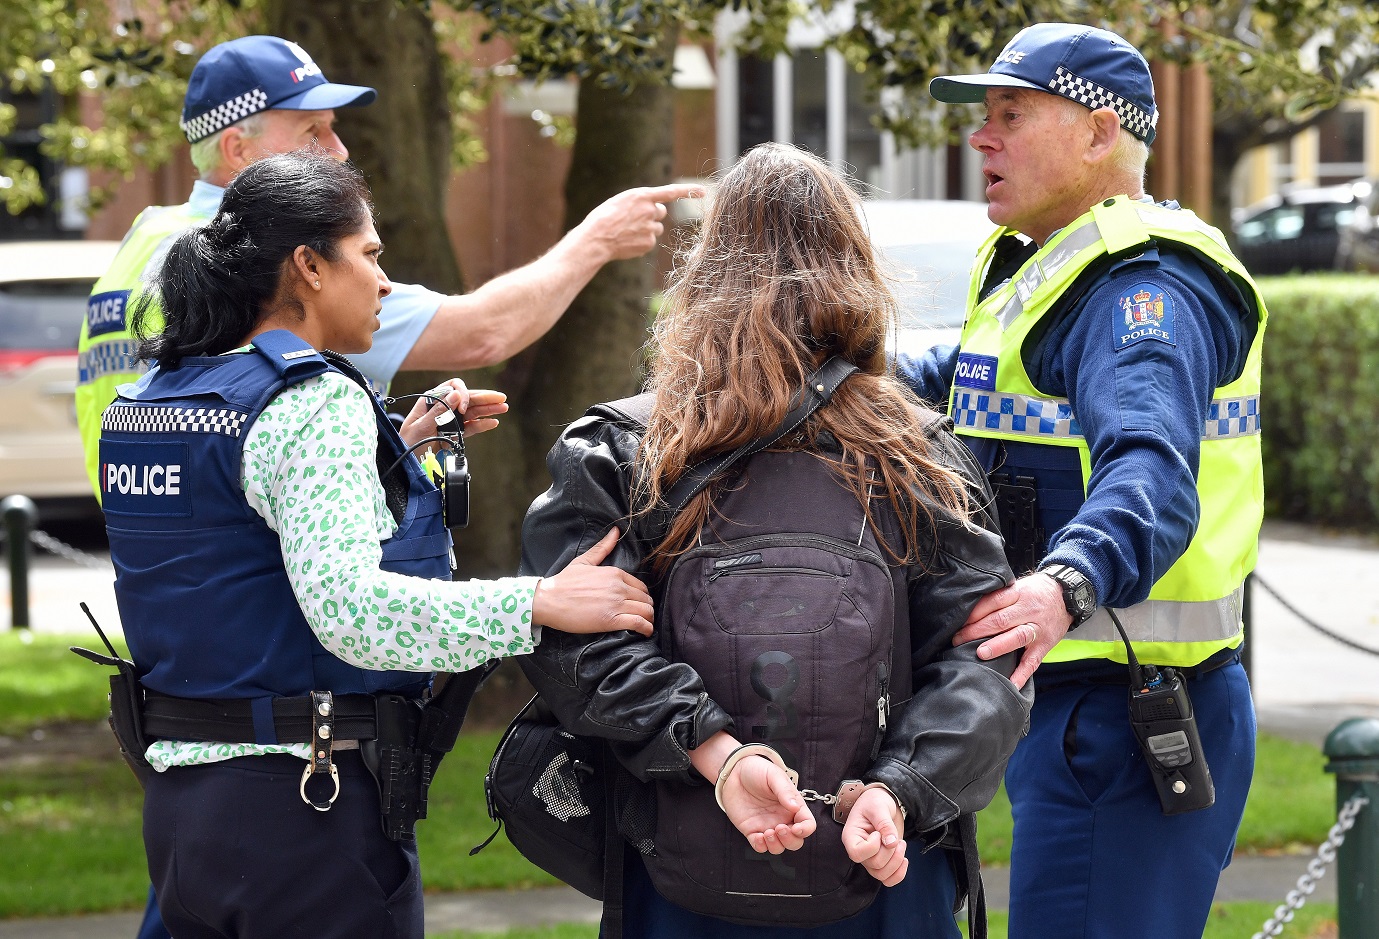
{"x": 513, "y": 310}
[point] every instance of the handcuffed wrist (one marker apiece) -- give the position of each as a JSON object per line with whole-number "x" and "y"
{"x": 851, "y": 790}
{"x": 740, "y": 754}
{"x": 904, "y": 813}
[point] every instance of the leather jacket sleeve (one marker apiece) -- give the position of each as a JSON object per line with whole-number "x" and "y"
{"x": 946, "y": 748}
{"x": 617, "y": 686}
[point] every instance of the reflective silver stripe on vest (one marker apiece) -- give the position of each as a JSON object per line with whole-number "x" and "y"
{"x": 1168, "y": 621}
{"x": 1007, "y": 413}
{"x": 115, "y": 357}
{"x": 1184, "y": 222}
{"x": 1045, "y": 268}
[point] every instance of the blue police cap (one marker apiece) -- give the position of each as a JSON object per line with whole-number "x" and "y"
{"x": 252, "y": 74}
{"x": 1094, "y": 67}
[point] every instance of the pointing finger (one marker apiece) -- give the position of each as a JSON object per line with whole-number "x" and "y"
{"x": 675, "y": 191}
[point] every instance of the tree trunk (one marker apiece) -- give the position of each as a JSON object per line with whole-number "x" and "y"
{"x": 593, "y": 353}
{"x": 1226, "y": 152}
{"x": 402, "y": 141}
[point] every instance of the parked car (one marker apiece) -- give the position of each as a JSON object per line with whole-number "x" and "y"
{"x": 43, "y": 291}
{"x": 1296, "y": 230}
{"x": 1359, "y": 242}
{"x": 930, "y": 245}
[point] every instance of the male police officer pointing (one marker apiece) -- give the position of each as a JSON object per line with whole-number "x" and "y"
{"x": 259, "y": 95}
{"x": 1108, "y": 377}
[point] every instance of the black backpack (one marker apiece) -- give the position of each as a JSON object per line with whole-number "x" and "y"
{"x": 798, "y": 627}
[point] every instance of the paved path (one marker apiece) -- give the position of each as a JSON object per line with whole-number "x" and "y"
{"x": 1304, "y": 684}
{"x": 1249, "y": 878}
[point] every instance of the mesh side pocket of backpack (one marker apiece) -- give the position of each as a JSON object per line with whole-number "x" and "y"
{"x": 545, "y": 785}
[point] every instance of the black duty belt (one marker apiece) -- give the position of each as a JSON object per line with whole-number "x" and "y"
{"x": 231, "y": 720}
{"x": 1105, "y": 672}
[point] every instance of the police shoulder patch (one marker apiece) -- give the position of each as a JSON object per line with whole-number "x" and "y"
{"x": 1145, "y": 311}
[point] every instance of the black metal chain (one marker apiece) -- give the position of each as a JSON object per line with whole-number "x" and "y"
{"x": 1343, "y": 640}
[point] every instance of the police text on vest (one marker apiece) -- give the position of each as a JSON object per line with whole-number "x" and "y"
{"x": 143, "y": 479}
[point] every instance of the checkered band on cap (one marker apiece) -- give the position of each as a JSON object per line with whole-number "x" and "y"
{"x": 1132, "y": 117}
{"x": 223, "y": 115}
{"x": 160, "y": 419}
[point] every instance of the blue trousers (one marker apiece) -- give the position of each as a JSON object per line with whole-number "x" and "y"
{"x": 1093, "y": 856}
{"x": 152, "y": 927}
{"x": 919, "y": 907}
{"x": 234, "y": 851}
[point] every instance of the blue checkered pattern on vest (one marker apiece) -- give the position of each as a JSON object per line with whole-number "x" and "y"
{"x": 104, "y": 358}
{"x": 1050, "y": 418}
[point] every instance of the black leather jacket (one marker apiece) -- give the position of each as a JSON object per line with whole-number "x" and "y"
{"x": 945, "y": 749}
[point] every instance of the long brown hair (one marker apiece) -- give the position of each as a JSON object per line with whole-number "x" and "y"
{"x": 781, "y": 278}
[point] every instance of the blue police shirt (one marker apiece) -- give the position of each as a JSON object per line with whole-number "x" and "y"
{"x": 1141, "y": 405}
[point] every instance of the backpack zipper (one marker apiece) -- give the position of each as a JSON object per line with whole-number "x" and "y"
{"x": 787, "y": 540}
{"x": 883, "y": 707}
{"x": 724, "y": 571}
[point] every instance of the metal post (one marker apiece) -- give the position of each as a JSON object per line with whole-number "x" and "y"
{"x": 1247, "y": 624}
{"x": 1353, "y": 748}
{"x": 20, "y": 515}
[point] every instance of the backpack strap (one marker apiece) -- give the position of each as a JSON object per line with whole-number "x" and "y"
{"x": 614, "y": 848}
{"x": 972, "y": 877}
{"x": 817, "y": 391}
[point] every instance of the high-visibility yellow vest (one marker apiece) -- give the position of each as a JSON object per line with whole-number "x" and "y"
{"x": 1194, "y": 609}
{"x": 105, "y": 351}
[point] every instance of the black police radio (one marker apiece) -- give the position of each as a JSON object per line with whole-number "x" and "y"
{"x": 1162, "y": 718}
{"x": 453, "y": 479}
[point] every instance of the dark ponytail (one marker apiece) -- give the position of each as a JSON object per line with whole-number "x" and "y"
{"x": 219, "y": 281}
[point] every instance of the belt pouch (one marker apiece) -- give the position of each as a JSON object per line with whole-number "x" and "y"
{"x": 126, "y": 709}
{"x": 126, "y": 720}
{"x": 1017, "y": 507}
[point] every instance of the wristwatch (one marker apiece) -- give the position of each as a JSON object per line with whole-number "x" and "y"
{"x": 1078, "y": 595}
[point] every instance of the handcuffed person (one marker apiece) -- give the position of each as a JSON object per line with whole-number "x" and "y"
{"x": 283, "y": 575}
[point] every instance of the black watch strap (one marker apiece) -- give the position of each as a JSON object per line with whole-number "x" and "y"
{"x": 1079, "y": 596}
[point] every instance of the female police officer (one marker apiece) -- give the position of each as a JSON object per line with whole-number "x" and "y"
{"x": 275, "y": 585}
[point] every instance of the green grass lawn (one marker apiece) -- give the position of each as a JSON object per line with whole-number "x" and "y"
{"x": 71, "y": 831}
{"x": 43, "y": 683}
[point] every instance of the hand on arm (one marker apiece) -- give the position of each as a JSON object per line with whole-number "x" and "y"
{"x": 872, "y": 836}
{"x": 513, "y": 310}
{"x": 757, "y": 796}
{"x": 1029, "y": 613}
{"x": 587, "y": 598}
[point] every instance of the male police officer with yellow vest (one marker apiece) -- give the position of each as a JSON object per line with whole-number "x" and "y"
{"x": 1108, "y": 377}
{"x": 259, "y": 95}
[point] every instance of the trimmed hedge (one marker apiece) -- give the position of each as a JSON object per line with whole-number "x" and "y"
{"x": 1321, "y": 399}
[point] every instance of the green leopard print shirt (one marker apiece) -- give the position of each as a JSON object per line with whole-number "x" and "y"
{"x": 309, "y": 470}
